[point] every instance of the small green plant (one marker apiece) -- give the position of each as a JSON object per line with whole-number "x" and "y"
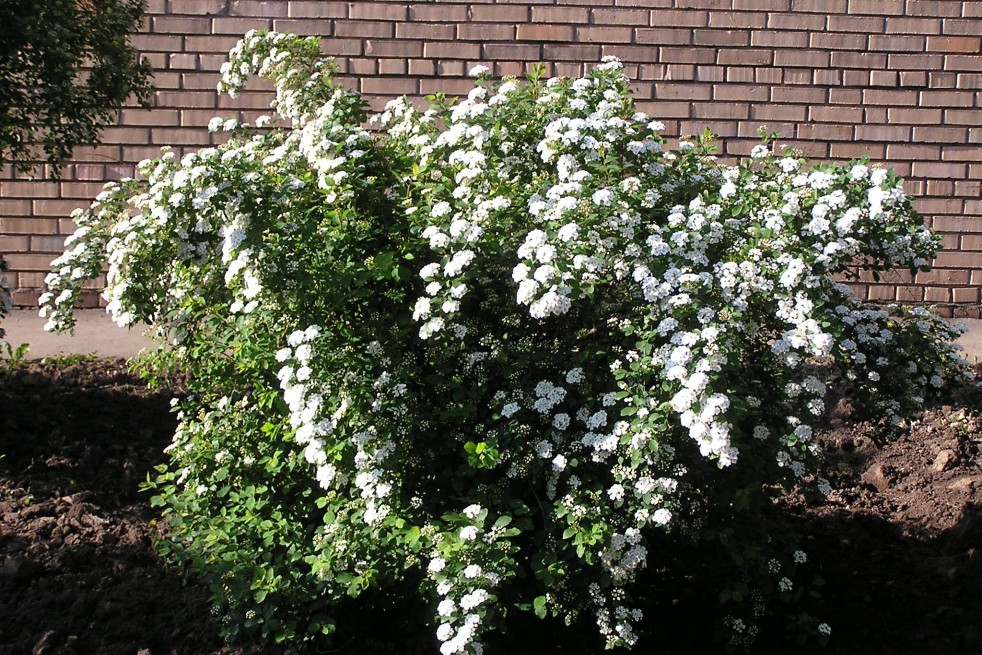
{"x": 503, "y": 357}
{"x": 69, "y": 359}
{"x": 11, "y": 357}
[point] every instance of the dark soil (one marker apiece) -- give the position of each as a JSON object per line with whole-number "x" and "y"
{"x": 899, "y": 543}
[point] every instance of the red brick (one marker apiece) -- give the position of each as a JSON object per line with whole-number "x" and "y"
{"x": 827, "y": 77}
{"x": 722, "y": 129}
{"x": 877, "y": 7}
{"x": 850, "y": 150}
{"x": 746, "y": 57}
{"x": 768, "y": 76}
{"x": 913, "y": 151}
{"x": 667, "y": 110}
{"x": 538, "y": 32}
{"x": 198, "y": 7}
{"x": 703, "y": 4}
{"x": 888, "y": 133}
{"x": 618, "y": 16}
{"x": 937, "y": 7}
{"x": 774, "y": 112}
{"x": 253, "y": 8}
{"x": 907, "y": 97}
{"x": 912, "y": 78}
{"x": 827, "y": 114}
{"x": 493, "y": 13}
{"x": 202, "y": 44}
{"x": 379, "y": 11}
{"x": 180, "y": 25}
{"x": 383, "y": 48}
{"x": 577, "y": 53}
{"x": 963, "y": 63}
{"x": 683, "y": 91}
{"x": 717, "y": 110}
{"x": 365, "y": 29}
{"x": 802, "y": 58}
{"x": 316, "y": 9}
{"x": 362, "y": 67}
{"x": 740, "y": 93}
{"x": 147, "y": 43}
{"x": 605, "y": 35}
{"x": 521, "y": 51}
{"x": 663, "y": 36}
{"x": 915, "y": 62}
{"x": 889, "y": 79}
{"x": 32, "y": 225}
{"x": 915, "y": 116}
{"x": 937, "y": 294}
{"x": 947, "y": 98}
{"x": 737, "y": 19}
{"x": 763, "y": 5}
{"x": 735, "y": 74}
{"x": 322, "y": 27}
{"x": 443, "y": 12}
{"x": 969, "y": 81}
{"x": 966, "y": 294}
{"x": 675, "y": 18}
{"x": 806, "y": 95}
{"x": 390, "y": 86}
{"x": 902, "y": 43}
{"x": 942, "y": 80}
{"x": 838, "y": 41}
{"x": 435, "y": 31}
{"x": 931, "y": 134}
{"x": 956, "y": 26}
{"x": 936, "y": 170}
{"x": 451, "y": 50}
{"x": 237, "y": 26}
{"x": 962, "y": 117}
{"x": 779, "y": 39}
{"x": 968, "y": 44}
{"x": 577, "y": 15}
{"x": 852, "y": 23}
{"x": 903, "y": 25}
{"x": 968, "y": 188}
{"x": 665, "y": 54}
{"x": 873, "y": 115}
{"x": 705, "y": 37}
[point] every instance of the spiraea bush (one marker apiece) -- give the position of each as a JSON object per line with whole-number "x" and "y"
{"x": 498, "y": 356}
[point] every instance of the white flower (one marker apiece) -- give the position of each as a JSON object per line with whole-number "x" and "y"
{"x": 509, "y": 409}
{"x": 472, "y": 571}
{"x": 472, "y": 511}
{"x": 446, "y": 607}
{"x": 662, "y": 516}
{"x": 468, "y": 533}
{"x": 436, "y": 565}
{"x": 479, "y": 71}
{"x": 760, "y": 151}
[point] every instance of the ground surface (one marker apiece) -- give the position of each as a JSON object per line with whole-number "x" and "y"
{"x": 899, "y": 544}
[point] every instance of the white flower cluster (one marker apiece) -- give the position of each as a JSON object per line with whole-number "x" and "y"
{"x": 465, "y": 583}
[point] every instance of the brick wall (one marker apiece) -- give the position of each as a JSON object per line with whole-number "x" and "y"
{"x": 899, "y": 80}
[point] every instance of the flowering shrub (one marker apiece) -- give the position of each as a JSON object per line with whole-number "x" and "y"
{"x": 510, "y": 351}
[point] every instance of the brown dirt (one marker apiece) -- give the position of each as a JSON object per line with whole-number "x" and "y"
{"x": 899, "y": 543}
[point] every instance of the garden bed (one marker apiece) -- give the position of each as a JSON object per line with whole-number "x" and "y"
{"x": 898, "y": 544}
